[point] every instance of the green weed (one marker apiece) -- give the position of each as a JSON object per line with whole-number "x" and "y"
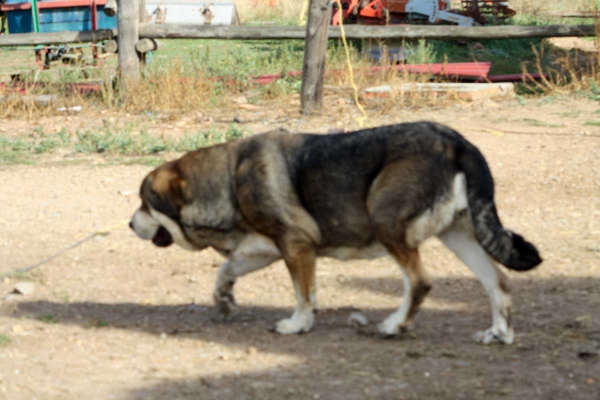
{"x": 5, "y": 340}
{"x": 101, "y": 323}
{"x": 49, "y": 319}
{"x": 142, "y": 146}
{"x": 422, "y": 53}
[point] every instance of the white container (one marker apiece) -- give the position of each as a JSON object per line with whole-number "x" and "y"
{"x": 191, "y": 12}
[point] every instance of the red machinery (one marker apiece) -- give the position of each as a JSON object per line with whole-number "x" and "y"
{"x": 385, "y": 12}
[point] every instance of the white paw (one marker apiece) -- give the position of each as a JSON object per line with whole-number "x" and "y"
{"x": 299, "y": 323}
{"x": 389, "y": 328}
{"x": 493, "y": 335}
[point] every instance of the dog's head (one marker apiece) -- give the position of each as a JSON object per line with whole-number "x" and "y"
{"x": 163, "y": 193}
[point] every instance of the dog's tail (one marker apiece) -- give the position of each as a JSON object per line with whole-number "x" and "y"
{"x": 503, "y": 245}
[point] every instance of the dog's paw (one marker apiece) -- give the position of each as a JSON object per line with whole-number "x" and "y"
{"x": 224, "y": 303}
{"x": 297, "y": 324}
{"x": 389, "y": 329}
{"x": 493, "y": 335}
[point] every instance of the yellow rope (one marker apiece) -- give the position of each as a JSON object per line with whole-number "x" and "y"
{"x": 102, "y": 232}
{"x": 302, "y": 17}
{"x": 360, "y": 120}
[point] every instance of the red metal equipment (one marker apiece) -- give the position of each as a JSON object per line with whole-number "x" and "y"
{"x": 486, "y": 11}
{"x": 385, "y": 12}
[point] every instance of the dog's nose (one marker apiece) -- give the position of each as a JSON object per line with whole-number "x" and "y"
{"x": 131, "y": 224}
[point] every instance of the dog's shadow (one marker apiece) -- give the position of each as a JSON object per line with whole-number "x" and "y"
{"x": 442, "y": 337}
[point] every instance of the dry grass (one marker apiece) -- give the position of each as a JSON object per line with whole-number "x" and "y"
{"x": 270, "y": 10}
{"x": 535, "y": 6}
{"x": 179, "y": 87}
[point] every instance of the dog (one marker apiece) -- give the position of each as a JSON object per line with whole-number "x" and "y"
{"x": 359, "y": 195}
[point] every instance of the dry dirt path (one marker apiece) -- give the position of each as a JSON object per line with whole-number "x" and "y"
{"x": 117, "y": 318}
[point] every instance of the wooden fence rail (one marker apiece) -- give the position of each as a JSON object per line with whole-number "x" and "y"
{"x": 176, "y": 31}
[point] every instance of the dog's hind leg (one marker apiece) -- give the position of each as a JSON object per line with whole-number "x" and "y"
{"x": 465, "y": 246}
{"x": 300, "y": 257}
{"x": 416, "y": 286}
{"x": 255, "y": 252}
{"x": 399, "y": 215}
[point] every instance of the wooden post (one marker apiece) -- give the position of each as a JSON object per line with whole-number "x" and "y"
{"x": 142, "y": 13}
{"x": 128, "y": 35}
{"x": 315, "y": 54}
{"x": 142, "y": 19}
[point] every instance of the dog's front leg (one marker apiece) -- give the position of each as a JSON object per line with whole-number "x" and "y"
{"x": 300, "y": 259}
{"x": 239, "y": 264}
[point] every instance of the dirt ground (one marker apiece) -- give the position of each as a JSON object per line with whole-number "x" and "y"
{"x": 117, "y": 318}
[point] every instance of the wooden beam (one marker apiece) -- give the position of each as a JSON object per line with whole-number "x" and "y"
{"x": 439, "y": 32}
{"x": 571, "y": 14}
{"x": 111, "y": 46}
{"x": 24, "y": 39}
{"x": 172, "y": 31}
{"x": 128, "y": 20}
{"x": 146, "y": 45}
{"x": 315, "y": 54}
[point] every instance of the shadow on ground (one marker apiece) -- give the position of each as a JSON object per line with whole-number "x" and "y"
{"x": 554, "y": 357}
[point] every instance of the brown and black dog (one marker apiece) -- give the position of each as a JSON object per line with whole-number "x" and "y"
{"x": 357, "y": 195}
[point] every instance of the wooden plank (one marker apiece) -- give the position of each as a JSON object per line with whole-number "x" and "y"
{"x": 440, "y": 32}
{"x": 172, "y": 31}
{"x": 24, "y": 39}
{"x": 315, "y": 54}
{"x": 111, "y": 46}
{"x": 146, "y": 45}
{"x": 129, "y": 62}
{"x": 572, "y": 14}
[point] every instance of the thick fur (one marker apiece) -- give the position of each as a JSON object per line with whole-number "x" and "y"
{"x": 356, "y": 195}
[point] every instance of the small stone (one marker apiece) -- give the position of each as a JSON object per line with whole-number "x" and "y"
{"x": 586, "y": 355}
{"x": 357, "y": 320}
{"x": 24, "y": 288}
{"x": 413, "y": 354}
{"x": 251, "y": 351}
{"x": 18, "y": 329}
{"x": 163, "y": 336}
{"x": 223, "y": 357}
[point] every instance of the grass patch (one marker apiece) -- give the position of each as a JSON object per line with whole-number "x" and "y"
{"x": 186, "y": 74}
{"x": 5, "y": 340}
{"x": 125, "y": 144}
{"x": 49, "y": 319}
{"x": 101, "y": 323}
{"x": 592, "y": 123}
{"x": 537, "y": 122}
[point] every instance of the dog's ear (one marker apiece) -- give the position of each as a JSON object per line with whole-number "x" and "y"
{"x": 165, "y": 191}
